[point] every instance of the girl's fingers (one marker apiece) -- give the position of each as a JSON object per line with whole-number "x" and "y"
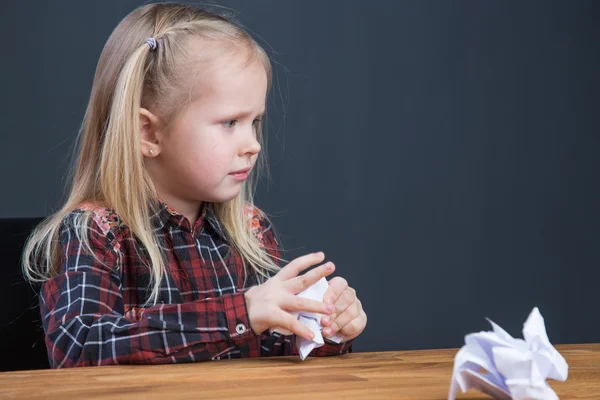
{"x": 299, "y": 264}
{"x": 300, "y": 304}
{"x": 337, "y": 286}
{"x": 351, "y": 313}
{"x": 302, "y": 282}
{"x": 346, "y": 299}
{"x": 353, "y": 328}
{"x": 290, "y": 323}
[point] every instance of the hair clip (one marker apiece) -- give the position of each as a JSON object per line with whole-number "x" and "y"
{"x": 152, "y": 43}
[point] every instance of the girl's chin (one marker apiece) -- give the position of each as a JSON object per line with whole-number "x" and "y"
{"x": 224, "y": 196}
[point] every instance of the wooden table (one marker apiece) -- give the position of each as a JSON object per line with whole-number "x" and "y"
{"x": 415, "y": 375}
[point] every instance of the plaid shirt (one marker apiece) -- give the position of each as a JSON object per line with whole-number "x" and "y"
{"x": 93, "y": 311}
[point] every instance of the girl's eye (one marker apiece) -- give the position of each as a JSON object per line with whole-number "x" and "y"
{"x": 230, "y": 124}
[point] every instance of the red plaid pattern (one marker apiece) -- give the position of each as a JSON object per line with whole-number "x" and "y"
{"x": 93, "y": 312}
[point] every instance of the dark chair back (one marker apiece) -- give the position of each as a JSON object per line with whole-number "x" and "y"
{"x": 21, "y": 334}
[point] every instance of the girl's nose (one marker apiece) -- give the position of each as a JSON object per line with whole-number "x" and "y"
{"x": 251, "y": 145}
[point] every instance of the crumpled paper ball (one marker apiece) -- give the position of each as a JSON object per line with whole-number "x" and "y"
{"x": 504, "y": 367}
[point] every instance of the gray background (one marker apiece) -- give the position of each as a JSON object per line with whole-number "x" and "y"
{"x": 444, "y": 154}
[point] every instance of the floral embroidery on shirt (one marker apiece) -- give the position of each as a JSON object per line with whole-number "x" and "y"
{"x": 254, "y": 217}
{"x": 170, "y": 209}
{"x": 134, "y": 313}
{"x": 104, "y": 218}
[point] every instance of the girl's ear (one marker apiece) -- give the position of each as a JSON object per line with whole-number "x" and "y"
{"x": 149, "y": 133}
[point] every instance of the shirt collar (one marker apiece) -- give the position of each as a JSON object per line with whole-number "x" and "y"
{"x": 167, "y": 215}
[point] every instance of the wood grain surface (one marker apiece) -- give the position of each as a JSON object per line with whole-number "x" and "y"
{"x": 415, "y": 375}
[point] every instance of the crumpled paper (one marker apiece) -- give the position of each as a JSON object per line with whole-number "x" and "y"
{"x": 311, "y": 320}
{"x": 504, "y": 367}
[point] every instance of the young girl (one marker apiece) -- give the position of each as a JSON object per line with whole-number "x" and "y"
{"x": 159, "y": 254}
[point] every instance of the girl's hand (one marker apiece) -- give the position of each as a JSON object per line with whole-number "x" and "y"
{"x": 349, "y": 318}
{"x": 269, "y": 303}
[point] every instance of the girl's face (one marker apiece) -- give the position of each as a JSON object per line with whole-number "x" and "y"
{"x": 213, "y": 137}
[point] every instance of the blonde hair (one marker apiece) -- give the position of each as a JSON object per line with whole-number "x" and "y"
{"x": 110, "y": 168}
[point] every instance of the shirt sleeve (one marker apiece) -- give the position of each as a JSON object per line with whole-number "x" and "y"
{"x": 86, "y": 324}
{"x": 276, "y": 344}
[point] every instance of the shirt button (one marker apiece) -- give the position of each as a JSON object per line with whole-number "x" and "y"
{"x": 240, "y": 328}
